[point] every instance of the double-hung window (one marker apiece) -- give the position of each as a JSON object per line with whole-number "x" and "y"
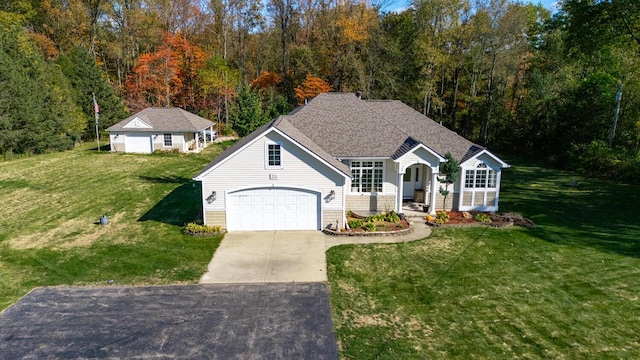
{"x": 273, "y": 155}
{"x": 367, "y": 176}
{"x": 167, "y": 140}
{"x": 481, "y": 177}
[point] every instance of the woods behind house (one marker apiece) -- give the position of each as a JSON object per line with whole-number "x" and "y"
{"x": 505, "y": 74}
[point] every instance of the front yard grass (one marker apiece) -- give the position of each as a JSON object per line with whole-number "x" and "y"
{"x": 49, "y": 220}
{"x": 567, "y": 288}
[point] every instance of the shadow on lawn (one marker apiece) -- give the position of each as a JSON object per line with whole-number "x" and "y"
{"x": 598, "y": 214}
{"x": 180, "y": 206}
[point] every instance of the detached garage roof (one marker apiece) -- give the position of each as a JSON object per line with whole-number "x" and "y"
{"x": 163, "y": 119}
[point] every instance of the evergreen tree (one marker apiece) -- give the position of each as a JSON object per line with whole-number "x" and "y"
{"x": 37, "y": 114}
{"x": 86, "y": 79}
{"x": 246, "y": 112}
{"x": 449, "y": 171}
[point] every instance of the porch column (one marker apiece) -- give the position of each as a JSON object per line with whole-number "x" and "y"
{"x": 400, "y": 191}
{"x": 434, "y": 180}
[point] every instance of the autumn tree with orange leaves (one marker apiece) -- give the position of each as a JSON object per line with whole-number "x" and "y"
{"x": 166, "y": 77}
{"x": 266, "y": 80}
{"x": 310, "y": 88}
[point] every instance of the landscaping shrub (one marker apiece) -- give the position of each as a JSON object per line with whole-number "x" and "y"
{"x": 392, "y": 217}
{"x": 355, "y": 224}
{"x": 193, "y": 228}
{"x": 442, "y": 217}
{"x": 370, "y": 227}
{"x": 376, "y": 217}
{"x": 482, "y": 217}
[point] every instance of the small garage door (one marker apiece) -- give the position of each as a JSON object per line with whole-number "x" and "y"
{"x": 273, "y": 209}
{"x": 138, "y": 143}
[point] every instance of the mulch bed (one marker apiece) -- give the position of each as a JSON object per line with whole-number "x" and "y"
{"x": 384, "y": 226}
{"x": 457, "y": 218}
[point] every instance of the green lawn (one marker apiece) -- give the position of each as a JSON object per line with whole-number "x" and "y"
{"x": 568, "y": 288}
{"x": 51, "y": 205}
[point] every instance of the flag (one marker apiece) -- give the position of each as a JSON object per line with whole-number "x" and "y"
{"x": 96, "y": 109}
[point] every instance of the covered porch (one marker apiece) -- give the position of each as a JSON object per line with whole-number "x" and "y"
{"x": 417, "y": 179}
{"x": 417, "y": 189}
{"x": 197, "y": 141}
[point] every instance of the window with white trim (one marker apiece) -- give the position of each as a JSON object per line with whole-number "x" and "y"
{"x": 167, "y": 140}
{"x": 481, "y": 177}
{"x": 367, "y": 176}
{"x": 273, "y": 155}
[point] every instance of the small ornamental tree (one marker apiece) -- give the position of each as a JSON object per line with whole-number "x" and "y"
{"x": 449, "y": 174}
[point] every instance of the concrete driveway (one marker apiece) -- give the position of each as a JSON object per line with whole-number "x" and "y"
{"x": 263, "y": 321}
{"x": 268, "y": 256}
{"x": 284, "y": 256}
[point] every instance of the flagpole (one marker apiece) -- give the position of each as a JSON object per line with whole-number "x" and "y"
{"x": 96, "y": 112}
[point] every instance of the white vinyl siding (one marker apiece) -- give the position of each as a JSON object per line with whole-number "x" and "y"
{"x": 246, "y": 169}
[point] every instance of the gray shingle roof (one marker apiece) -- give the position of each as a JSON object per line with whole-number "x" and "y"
{"x": 166, "y": 119}
{"x": 421, "y": 128}
{"x": 349, "y": 127}
{"x": 339, "y": 125}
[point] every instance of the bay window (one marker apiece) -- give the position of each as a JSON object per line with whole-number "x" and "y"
{"x": 481, "y": 177}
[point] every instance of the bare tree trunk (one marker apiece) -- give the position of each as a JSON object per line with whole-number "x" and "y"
{"x": 454, "y": 97}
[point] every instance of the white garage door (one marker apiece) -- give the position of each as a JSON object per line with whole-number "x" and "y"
{"x": 273, "y": 209}
{"x": 138, "y": 143}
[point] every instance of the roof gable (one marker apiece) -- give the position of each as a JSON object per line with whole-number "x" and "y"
{"x": 137, "y": 123}
{"x": 281, "y": 126}
{"x": 484, "y": 154}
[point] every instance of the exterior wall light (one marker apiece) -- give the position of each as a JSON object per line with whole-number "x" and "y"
{"x": 211, "y": 198}
{"x": 330, "y": 196}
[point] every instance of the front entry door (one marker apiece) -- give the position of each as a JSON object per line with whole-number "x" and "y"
{"x": 412, "y": 180}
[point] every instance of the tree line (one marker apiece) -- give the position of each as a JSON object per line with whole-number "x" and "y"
{"x": 505, "y": 74}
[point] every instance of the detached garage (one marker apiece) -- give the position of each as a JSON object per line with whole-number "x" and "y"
{"x": 271, "y": 208}
{"x": 162, "y": 129}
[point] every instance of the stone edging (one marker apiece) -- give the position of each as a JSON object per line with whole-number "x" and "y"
{"x": 371, "y": 233}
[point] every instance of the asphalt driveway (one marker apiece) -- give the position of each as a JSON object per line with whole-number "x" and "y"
{"x": 265, "y": 321}
{"x": 268, "y": 256}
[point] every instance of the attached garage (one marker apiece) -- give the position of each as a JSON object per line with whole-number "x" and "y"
{"x": 138, "y": 143}
{"x": 273, "y": 208}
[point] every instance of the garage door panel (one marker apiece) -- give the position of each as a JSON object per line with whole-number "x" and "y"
{"x": 138, "y": 143}
{"x": 273, "y": 209}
